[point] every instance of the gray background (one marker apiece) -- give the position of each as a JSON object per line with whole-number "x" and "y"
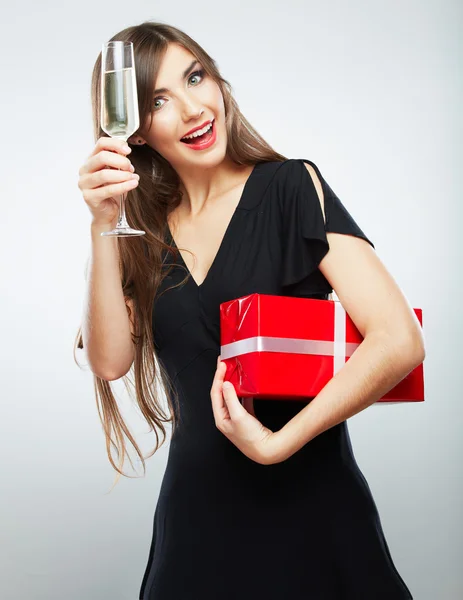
{"x": 372, "y": 93}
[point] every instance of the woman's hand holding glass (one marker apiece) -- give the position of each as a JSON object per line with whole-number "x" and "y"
{"x": 104, "y": 177}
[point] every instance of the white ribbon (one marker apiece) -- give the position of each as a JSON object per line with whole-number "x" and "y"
{"x": 338, "y": 348}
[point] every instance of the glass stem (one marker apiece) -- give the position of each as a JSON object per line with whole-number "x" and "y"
{"x": 122, "y": 221}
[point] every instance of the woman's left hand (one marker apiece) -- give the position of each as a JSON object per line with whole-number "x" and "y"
{"x": 242, "y": 428}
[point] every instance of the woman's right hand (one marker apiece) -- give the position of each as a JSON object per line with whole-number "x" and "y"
{"x": 102, "y": 183}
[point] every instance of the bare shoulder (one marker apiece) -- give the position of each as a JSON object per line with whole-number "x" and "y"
{"x": 318, "y": 187}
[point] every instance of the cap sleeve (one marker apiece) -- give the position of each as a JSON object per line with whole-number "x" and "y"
{"x": 303, "y": 228}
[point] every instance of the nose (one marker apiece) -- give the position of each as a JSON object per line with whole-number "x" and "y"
{"x": 191, "y": 109}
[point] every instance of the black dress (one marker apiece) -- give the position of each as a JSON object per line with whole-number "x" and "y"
{"x": 226, "y": 527}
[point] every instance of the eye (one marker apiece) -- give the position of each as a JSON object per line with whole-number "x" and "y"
{"x": 156, "y": 100}
{"x": 199, "y": 73}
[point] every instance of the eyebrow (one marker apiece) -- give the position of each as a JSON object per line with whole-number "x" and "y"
{"x": 185, "y": 73}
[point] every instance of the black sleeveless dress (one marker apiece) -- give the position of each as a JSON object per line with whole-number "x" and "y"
{"x": 226, "y": 527}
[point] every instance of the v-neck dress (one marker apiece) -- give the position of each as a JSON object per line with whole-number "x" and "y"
{"x": 226, "y": 527}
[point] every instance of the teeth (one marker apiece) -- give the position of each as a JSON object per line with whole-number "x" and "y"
{"x": 198, "y": 133}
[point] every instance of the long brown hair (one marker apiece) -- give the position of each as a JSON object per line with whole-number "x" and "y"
{"x": 147, "y": 207}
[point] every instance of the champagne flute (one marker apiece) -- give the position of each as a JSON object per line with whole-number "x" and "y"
{"x": 119, "y": 108}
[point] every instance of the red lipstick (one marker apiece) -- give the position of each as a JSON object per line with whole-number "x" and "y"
{"x": 205, "y": 141}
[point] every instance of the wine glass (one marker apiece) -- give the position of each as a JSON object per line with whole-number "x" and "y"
{"x": 119, "y": 108}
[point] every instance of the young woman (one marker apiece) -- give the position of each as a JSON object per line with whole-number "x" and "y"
{"x": 262, "y": 499}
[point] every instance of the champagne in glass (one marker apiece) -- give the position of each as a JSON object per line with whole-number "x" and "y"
{"x": 119, "y": 108}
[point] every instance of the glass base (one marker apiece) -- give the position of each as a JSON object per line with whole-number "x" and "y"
{"x": 124, "y": 232}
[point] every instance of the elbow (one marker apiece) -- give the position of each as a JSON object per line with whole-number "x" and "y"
{"x": 418, "y": 344}
{"x": 409, "y": 348}
{"x": 413, "y": 347}
{"x": 108, "y": 372}
{"x": 110, "y": 375}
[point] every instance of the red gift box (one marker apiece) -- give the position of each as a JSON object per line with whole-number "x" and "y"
{"x": 281, "y": 347}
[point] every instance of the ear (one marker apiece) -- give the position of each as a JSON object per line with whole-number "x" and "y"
{"x": 136, "y": 140}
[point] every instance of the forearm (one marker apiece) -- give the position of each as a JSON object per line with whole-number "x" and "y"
{"x": 105, "y": 325}
{"x": 378, "y": 364}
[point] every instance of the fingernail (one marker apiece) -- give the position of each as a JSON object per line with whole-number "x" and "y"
{"x": 227, "y": 384}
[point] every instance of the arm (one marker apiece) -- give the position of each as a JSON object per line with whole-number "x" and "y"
{"x": 392, "y": 347}
{"x": 106, "y": 328}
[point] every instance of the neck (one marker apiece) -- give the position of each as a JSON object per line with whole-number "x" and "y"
{"x": 201, "y": 187}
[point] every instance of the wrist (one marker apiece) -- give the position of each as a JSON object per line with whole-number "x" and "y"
{"x": 97, "y": 228}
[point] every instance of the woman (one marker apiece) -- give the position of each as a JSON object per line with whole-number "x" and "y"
{"x": 262, "y": 499}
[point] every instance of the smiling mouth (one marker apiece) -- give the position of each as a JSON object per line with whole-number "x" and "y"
{"x": 200, "y": 138}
